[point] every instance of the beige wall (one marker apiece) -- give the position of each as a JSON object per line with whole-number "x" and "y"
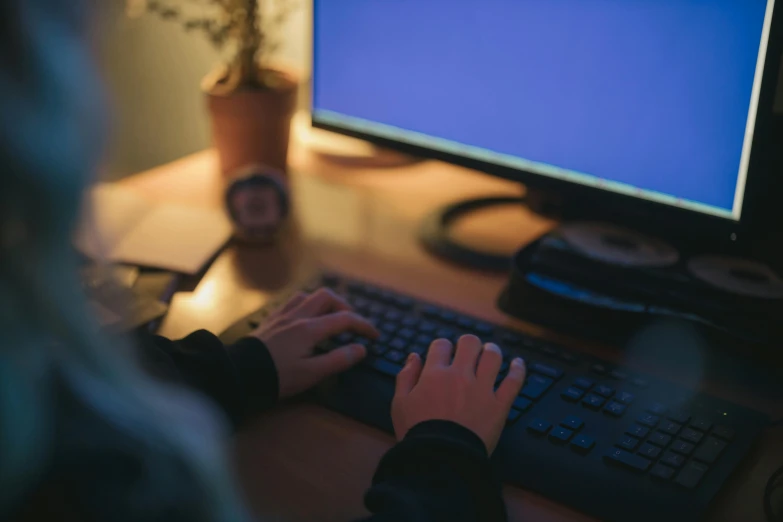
{"x": 153, "y": 69}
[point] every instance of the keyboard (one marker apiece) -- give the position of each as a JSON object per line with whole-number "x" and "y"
{"x": 611, "y": 442}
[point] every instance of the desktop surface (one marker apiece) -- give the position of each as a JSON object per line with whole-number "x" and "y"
{"x": 363, "y": 223}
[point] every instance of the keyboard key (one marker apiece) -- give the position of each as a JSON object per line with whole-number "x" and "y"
{"x": 409, "y": 322}
{"x": 627, "y": 460}
{"x": 584, "y": 383}
{"x": 395, "y": 356}
{"x": 386, "y": 296}
{"x": 522, "y": 404}
{"x": 649, "y": 451}
{"x": 447, "y": 316}
{"x": 615, "y": 409}
{"x": 393, "y": 316}
{"x": 640, "y": 382}
{"x": 657, "y": 408}
{"x": 660, "y": 439}
{"x": 582, "y": 444}
{"x": 406, "y": 333}
{"x": 507, "y": 338}
{"x": 536, "y": 386}
{"x": 672, "y": 459}
{"x": 429, "y": 311}
{"x": 691, "y": 435}
{"x": 420, "y": 349}
{"x": 701, "y": 424}
{"x": 648, "y": 420}
{"x": 384, "y": 366}
{"x": 618, "y": 375}
{"x": 483, "y": 329}
{"x": 572, "y": 394}
{"x": 513, "y": 415}
{"x": 682, "y": 447}
{"x": 599, "y": 369}
{"x": 662, "y": 472}
{"x": 603, "y": 390}
{"x": 691, "y": 475}
{"x": 538, "y": 427}
{"x": 362, "y": 340}
{"x": 625, "y": 397}
{"x": 424, "y": 339}
{"x": 543, "y": 369}
{"x": 573, "y": 423}
{"x": 593, "y": 402}
{"x": 709, "y": 450}
{"x": 427, "y": 327}
{"x": 465, "y": 323}
{"x": 406, "y": 303}
{"x": 638, "y": 431}
{"x": 669, "y": 427}
{"x": 378, "y": 348}
{"x": 398, "y": 344}
{"x": 389, "y": 328}
{"x": 550, "y": 351}
{"x": 445, "y": 333}
{"x": 377, "y": 309}
{"x": 569, "y": 358}
{"x": 723, "y": 432}
{"x": 560, "y": 435}
{"x": 679, "y": 417}
{"x": 628, "y": 443}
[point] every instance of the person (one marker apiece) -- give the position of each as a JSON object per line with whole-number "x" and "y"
{"x": 99, "y": 427}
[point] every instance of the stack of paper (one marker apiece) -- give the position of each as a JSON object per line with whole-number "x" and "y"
{"x": 124, "y": 227}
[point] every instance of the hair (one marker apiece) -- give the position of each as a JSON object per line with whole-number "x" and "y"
{"x": 52, "y": 121}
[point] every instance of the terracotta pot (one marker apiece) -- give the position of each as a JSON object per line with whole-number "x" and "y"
{"x": 251, "y": 126}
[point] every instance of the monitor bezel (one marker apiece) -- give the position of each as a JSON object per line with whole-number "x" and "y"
{"x": 699, "y": 229}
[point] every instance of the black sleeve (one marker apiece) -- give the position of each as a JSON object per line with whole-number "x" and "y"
{"x": 439, "y": 472}
{"x": 240, "y": 378}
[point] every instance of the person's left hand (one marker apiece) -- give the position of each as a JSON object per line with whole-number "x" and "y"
{"x": 292, "y": 332}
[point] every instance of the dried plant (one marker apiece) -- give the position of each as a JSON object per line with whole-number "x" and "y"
{"x": 247, "y": 32}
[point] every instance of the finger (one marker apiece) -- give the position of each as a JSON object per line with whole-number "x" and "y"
{"x": 439, "y": 353}
{"x": 509, "y": 388}
{"x": 293, "y": 303}
{"x": 489, "y": 364}
{"x": 322, "y": 301}
{"x": 327, "y": 326}
{"x": 336, "y": 361}
{"x": 467, "y": 353}
{"x": 409, "y": 375}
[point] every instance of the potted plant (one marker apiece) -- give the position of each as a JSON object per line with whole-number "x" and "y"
{"x": 251, "y": 103}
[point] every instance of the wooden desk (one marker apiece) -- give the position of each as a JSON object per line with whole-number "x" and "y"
{"x": 303, "y": 462}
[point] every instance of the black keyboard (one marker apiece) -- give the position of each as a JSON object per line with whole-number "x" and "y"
{"x": 613, "y": 443}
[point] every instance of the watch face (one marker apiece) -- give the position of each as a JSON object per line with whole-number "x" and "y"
{"x": 257, "y": 207}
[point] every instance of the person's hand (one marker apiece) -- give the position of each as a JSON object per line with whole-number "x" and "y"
{"x": 292, "y": 332}
{"x": 461, "y": 391}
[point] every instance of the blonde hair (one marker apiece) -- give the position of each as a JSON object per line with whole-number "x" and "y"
{"x": 50, "y": 141}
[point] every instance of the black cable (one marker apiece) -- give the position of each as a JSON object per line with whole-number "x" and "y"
{"x": 434, "y": 234}
{"x": 768, "y": 490}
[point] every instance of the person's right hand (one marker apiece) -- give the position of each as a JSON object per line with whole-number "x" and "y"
{"x": 461, "y": 391}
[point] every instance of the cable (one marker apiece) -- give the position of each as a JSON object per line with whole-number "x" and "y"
{"x": 434, "y": 234}
{"x": 768, "y": 490}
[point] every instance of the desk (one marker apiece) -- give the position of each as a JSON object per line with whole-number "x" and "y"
{"x": 303, "y": 462}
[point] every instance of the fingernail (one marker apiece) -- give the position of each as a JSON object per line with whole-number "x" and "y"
{"x": 492, "y": 347}
{"x": 518, "y": 362}
{"x": 411, "y": 357}
{"x": 357, "y": 352}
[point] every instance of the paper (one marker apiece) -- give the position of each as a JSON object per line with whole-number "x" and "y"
{"x": 123, "y": 227}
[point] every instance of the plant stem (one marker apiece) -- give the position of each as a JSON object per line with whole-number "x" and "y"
{"x": 249, "y": 44}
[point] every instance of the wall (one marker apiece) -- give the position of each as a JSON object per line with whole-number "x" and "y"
{"x": 153, "y": 70}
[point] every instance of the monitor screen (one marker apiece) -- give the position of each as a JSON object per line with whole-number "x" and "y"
{"x": 655, "y": 99}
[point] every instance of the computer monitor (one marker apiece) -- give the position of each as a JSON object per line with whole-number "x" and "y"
{"x": 645, "y": 111}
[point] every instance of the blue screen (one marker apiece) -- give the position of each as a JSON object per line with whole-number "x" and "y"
{"x": 654, "y": 94}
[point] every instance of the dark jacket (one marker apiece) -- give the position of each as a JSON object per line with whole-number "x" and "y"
{"x": 439, "y": 472}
